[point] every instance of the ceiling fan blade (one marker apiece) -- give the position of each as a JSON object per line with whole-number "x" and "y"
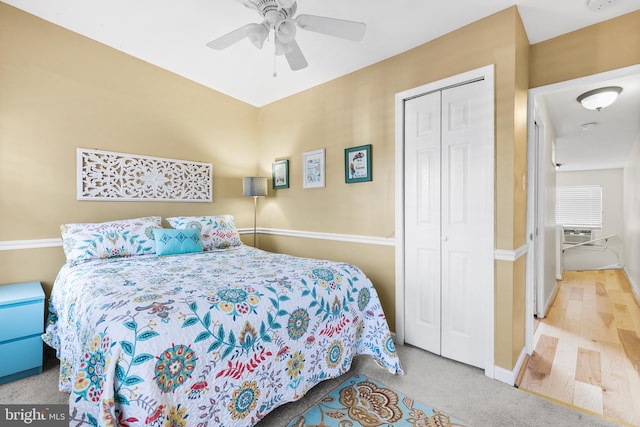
{"x": 230, "y": 38}
{"x": 256, "y": 33}
{"x": 286, "y": 4}
{"x": 295, "y": 58}
{"x": 350, "y": 30}
{"x": 248, "y": 3}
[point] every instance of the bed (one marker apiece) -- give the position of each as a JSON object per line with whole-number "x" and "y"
{"x": 216, "y": 335}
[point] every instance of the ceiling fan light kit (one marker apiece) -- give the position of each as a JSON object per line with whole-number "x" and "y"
{"x": 279, "y": 17}
{"x": 600, "y": 98}
{"x": 285, "y": 31}
{"x": 257, "y": 34}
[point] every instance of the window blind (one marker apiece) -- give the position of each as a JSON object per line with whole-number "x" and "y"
{"x": 579, "y": 206}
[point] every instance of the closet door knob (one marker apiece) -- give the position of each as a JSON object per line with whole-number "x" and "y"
{"x": 445, "y": 238}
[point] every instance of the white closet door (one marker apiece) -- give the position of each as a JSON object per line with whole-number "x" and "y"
{"x": 422, "y": 222}
{"x": 465, "y": 117}
{"x": 446, "y": 178}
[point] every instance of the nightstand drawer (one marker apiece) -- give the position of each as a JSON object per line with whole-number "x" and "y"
{"x": 20, "y": 355}
{"x": 21, "y": 320}
{"x": 21, "y": 310}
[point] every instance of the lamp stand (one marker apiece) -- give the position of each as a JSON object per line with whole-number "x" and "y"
{"x": 255, "y": 209}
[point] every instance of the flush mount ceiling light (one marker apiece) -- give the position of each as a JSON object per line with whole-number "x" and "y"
{"x": 597, "y": 99}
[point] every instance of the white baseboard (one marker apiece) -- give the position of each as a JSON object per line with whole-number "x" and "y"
{"x": 549, "y": 301}
{"x": 509, "y": 377}
{"x": 634, "y": 285}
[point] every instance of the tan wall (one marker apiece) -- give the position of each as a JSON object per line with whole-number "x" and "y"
{"x": 360, "y": 109}
{"x": 510, "y": 283}
{"x": 376, "y": 260}
{"x": 60, "y": 91}
{"x": 32, "y": 265}
{"x": 518, "y": 280}
{"x": 602, "y": 47}
{"x": 511, "y": 298}
{"x": 520, "y": 135}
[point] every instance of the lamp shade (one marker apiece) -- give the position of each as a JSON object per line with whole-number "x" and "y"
{"x": 254, "y": 186}
{"x": 597, "y": 99}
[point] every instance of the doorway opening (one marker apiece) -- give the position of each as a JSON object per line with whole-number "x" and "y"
{"x": 555, "y": 160}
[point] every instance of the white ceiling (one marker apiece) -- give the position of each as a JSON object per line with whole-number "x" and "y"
{"x": 605, "y": 145}
{"x": 172, "y": 34}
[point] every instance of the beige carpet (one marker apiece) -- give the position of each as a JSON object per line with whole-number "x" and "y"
{"x": 454, "y": 388}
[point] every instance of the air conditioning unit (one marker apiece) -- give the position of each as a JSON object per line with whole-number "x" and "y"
{"x": 573, "y": 236}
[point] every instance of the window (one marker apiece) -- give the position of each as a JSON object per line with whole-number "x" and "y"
{"x": 579, "y": 206}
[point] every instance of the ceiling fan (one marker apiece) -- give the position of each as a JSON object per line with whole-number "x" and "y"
{"x": 279, "y": 17}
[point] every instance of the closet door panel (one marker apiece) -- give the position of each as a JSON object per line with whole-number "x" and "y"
{"x": 422, "y": 222}
{"x": 464, "y": 119}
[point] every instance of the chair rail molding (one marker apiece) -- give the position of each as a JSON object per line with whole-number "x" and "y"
{"x": 11, "y": 245}
{"x": 510, "y": 255}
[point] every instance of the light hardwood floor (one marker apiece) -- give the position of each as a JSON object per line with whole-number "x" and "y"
{"x": 587, "y": 349}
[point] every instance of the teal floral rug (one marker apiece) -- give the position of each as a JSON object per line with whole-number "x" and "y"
{"x": 360, "y": 401}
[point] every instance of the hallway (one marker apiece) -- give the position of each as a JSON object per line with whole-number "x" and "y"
{"x": 587, "y": 349}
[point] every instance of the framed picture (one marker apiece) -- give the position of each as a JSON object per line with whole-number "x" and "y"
{"x": 357, "y": 164}
{"x": 313, "y": 169}
{"x": 280, "y": 174}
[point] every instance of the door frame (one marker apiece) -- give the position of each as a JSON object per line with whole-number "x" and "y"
{"x": 486, "y": 73}
{"x": 534, "y": 290}
{"x": 530, "y": 309}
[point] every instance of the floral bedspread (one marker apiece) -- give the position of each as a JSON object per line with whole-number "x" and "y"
{"x": 211, "y": 339}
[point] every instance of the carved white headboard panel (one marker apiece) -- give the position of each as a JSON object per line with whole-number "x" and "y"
{"x": 105, "y": 175}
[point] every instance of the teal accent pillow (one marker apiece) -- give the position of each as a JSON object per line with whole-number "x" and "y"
{"x": 217, "y": 232}
{"x": 170, "y": 241}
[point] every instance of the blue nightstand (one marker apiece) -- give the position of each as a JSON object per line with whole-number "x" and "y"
{"x": 21, "y": 326}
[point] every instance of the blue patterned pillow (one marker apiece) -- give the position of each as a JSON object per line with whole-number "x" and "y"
{"x": 217, "y": 232}
{"x": 171, "y": 241}
{"x": 122, "y": 238}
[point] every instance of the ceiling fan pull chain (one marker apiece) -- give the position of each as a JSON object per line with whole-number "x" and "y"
{"x": 275, "y": 63}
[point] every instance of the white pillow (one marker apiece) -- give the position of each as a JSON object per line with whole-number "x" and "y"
{"x": 109, "y": 239}
{"x": 216, "y": 232}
